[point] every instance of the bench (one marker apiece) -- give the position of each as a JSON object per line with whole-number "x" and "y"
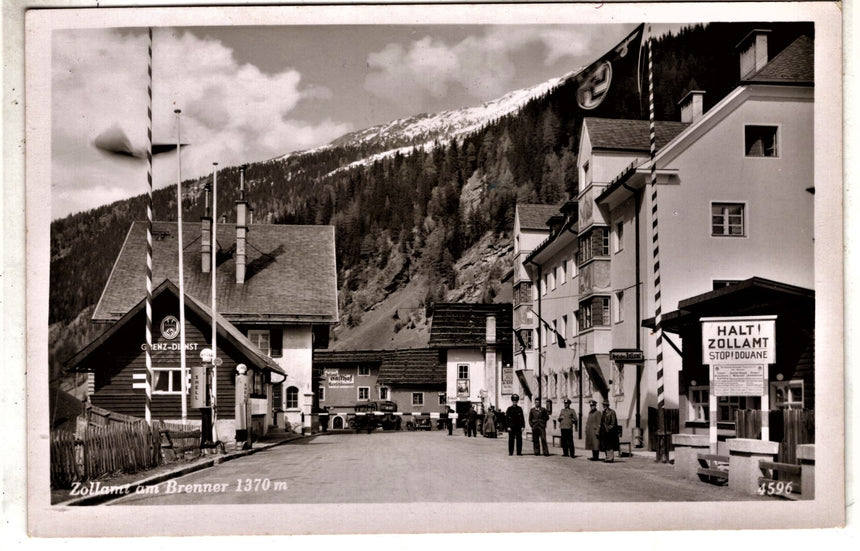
{"x": 780, "y": 480}
{"x": 713, "y": 468}
{"x": 622, "y": 442}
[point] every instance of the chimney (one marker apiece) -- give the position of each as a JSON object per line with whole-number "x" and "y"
{"x": 753, "y": 50}
{"x": 206, "y": 235}
{"x": 692, "y": 106}
{"x": 241, "y": 227}
{"x": 491, "y": 329}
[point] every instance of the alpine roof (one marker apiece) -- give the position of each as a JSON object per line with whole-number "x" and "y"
{"x": 465, "y": 325}
{"x": 630, "y": 134}
{"x": 290, "y": 272}
{"x": 225, "y": 330}
{"x": 793, "y": 65}
{"x": 534, "y": 217}
{"x": 412, "y": 366}
{"x": 331, "y": 357}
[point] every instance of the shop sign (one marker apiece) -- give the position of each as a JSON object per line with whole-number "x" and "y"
{"x": 507, "y": 380}
{"x": 738, "y": 380}
{"x": 462, "y": 388}
{"x": 739, "y": 340}
{"x": 627, "y": 355}
{"x": 345, "y": 380}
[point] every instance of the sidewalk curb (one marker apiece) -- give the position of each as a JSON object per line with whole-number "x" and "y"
{"x": 99, "y": 499}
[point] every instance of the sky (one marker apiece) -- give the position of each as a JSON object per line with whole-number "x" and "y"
{"x": 253, "y": 93}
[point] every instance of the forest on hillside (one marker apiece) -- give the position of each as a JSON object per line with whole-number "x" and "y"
{"x": 416, "y": 212}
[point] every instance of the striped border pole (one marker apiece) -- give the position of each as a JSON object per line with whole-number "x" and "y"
{"x": 182, "y": 362}
{"x": 662, "y": 455}
{"x": 214, "y": 254}
{"x": 149, "y": 373}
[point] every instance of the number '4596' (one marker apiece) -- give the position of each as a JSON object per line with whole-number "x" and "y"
{"x": 774, "y": 488}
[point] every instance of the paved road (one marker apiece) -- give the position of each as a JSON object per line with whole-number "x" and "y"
{"x": 392, "y": 467}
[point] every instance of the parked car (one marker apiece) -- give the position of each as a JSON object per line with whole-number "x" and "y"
{"x": 365, "y": 417}
{"x": 420, "y": 422}
{"x": 389, "y": 419}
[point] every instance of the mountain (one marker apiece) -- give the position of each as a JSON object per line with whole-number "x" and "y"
{"x": 422, "y": 207}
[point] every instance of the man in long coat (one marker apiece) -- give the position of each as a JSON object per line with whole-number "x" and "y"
{"x": 592, "y": 431}
{"x": 609, "y": 432}
{"x": 515, "y": 421}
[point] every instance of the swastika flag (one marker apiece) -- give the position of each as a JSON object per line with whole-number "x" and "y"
{"x": 613, "y": 77}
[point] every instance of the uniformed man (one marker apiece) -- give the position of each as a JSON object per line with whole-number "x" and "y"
{"x": 538, "y": 416}
{"x": 515, "y": 421}
{"x": 567, "y": 421}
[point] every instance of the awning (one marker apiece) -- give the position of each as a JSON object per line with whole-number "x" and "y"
{"x": 599, "y": 369}
{"x": 528, "y": 381}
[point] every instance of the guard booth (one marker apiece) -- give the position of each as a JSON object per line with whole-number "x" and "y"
{"x": 748, "y": 364}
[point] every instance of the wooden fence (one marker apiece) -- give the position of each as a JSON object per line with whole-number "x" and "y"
{"x": 671, "y": 422}
{"x": 789, "y": 427}
{"x": 107, "y": 445}
{"x": 99, "y": 451}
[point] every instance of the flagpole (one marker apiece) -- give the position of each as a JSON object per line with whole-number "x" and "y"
{"x": 662, "y": 443}
{"x": 182, "y": 363}
{"x": 149, "y": 372}
{"x": 214, "y": 254}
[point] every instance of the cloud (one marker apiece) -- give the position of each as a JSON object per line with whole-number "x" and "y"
{"x": 231, "y": 112}
{"x": 483, "y": 65}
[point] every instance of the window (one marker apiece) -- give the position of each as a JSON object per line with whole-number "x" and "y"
{"x": 364, "y": 370}
{"x": 594, "y": 243}
{"x": 560, "y": 274}
{"x": 258, "y": 384}
{"x": 594, "y": 313}
{"x": 321, "y": 394}
{"x": 292, "y": 397}
{"x": 562, "y": 329}
{"x": 543, "y": 286}
{"x": 543, "y": 333}
{"x": 574, "y": 383}
{"x": 550, "y": 278}
{"x": 417, "y": 398}
{"x": 586, "y": 175}
{"x": 260, "y": 338}
{"x": 619, "y": 306}
{"x": 364, "y": 393}
{"x": 619, "y": 236}
{"x": 727, "y": 405}
{"x": 524, "y": 293}
{"x": 697, "y": 397}
{"x": 760, "y": 141}
{"x": 462, "y": 371}
{"x": 443, "y": 399}
{"x": 167, "y": 380}
{"x": 786, "y": 395}
{"x": 727, "y": 219}
{"x": 572, "y": 268}
{"x": 384, "y": 393}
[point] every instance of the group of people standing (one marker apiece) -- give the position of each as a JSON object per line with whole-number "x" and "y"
{"x": 488, "y": 425}
{"x": 601, "y": 429}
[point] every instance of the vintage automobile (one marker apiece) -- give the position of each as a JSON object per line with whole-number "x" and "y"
{"x": 365, "y": 417}
{"x": 389, "y": 419}
{"x": 420, "y": 422}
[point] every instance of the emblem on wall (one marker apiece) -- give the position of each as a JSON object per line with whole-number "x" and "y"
{"x": 169, "y": 327}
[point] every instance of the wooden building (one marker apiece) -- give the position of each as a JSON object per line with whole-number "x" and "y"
{"x": 116, "y": 364}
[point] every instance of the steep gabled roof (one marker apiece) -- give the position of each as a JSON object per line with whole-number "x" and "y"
{"x": 332, "y": 357}
{"x": 534, "y": 217}
{"x": 412, "y": 366}
{"x": 629, "y": 134}
{"x": 225, "y": 330}
{"x": 290, "y": 274}
{"x": 465, "y": 325}
{"x": 794, "y": 65}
